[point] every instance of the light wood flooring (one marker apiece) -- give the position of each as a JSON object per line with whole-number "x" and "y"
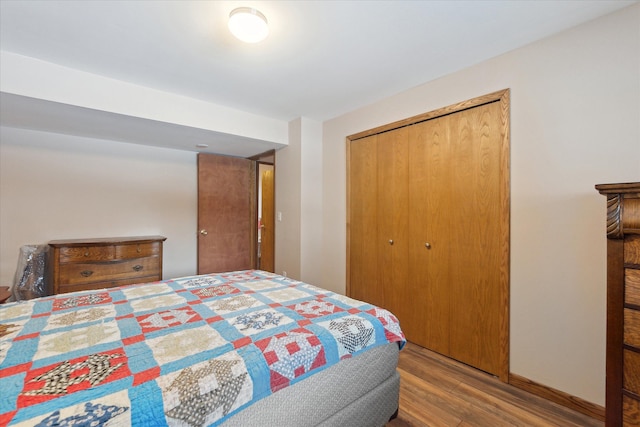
{"x": 438, "y": 392}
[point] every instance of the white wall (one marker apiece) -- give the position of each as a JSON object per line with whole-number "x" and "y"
{"x": 56, "y": 186}
{"x": 575, "y": 110}
{"x": 299, "y": 200}
{"x": 288, "y": 188}
{"x": 30, "y": 77}
{"x": 311, "y": 202}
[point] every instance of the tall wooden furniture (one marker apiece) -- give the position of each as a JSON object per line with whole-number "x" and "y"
{"x": 623, "y": 304}
{"x": 428, "y": 228}
{"x": 83, "y": 264}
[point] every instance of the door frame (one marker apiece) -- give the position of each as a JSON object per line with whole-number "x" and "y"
{"x": 503, "y": 97}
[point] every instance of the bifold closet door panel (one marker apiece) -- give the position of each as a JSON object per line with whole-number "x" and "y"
{"x": 429, "y": 222}
{"x": 363, "y": 221}
{"x": 393, "y": 184}
{"x": 475, "y": 235}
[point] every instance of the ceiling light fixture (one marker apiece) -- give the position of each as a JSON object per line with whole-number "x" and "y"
{"x": 248, "y": 24}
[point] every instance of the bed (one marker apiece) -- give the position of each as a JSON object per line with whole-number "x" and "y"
{"x": 231, "y": 349}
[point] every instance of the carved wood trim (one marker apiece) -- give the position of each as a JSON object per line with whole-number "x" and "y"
{"x": 614, "y": 216}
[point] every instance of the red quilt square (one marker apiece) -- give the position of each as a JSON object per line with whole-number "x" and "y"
{"x": 290, "y": 355}
{"x": 60, "y": 379}
{"x": 315, "y": 308}
{"x": 167, "y": 319}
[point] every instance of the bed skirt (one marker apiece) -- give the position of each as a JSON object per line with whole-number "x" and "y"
{"x": 369, "y": 384}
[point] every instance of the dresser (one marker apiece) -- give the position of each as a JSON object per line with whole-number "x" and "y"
{"x": 623, "y": 304}
{"x": 84, "y": 264}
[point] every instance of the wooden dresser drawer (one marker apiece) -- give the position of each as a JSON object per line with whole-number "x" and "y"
{"x": 632, "y": 286}
{"x": 631, "y": 376}
{"x": 630, "y": 411}
{"x": 98, "y": 272}
{"x": 137, "y": 250}
{"x": 632, "y": 327}
{"x": 107, "y": 284}
{"x": 76, "y": 265}
{"x": 632, "y": 250}
{"x": 84, "y": 253}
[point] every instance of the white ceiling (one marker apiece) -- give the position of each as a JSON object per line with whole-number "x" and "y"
{"x": 321, "y": 59}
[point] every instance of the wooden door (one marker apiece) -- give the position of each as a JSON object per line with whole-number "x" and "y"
{"x": 446, "y": 276}
{"x": 429, "y": 222}
{"x": 226, "y": 214}
{"x": 267, "y": 233}
{"x": 363, "y": 221}
{"x": 475, "y": 236}
{"x": 393, "y": 210}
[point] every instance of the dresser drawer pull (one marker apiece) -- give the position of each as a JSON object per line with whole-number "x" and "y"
{"x": 86, "y": 273}
{"x": 137, "y": 267}
{"x": 86, "y": 253}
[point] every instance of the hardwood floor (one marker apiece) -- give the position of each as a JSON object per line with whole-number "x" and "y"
{"x": 439, "y": 392}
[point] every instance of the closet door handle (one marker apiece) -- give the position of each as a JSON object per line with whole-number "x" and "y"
{"x": 391, "y": 241}
{"x": 427, "y": 245}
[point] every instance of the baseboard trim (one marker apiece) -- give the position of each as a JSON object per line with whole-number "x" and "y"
{"x": 557, "y": 396}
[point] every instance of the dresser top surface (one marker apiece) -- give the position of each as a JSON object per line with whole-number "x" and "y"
{"x": 106, "y": 240}
{"x": 625, "y": 187}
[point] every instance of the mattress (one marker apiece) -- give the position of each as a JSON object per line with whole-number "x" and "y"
{"x": 246, "y": 347}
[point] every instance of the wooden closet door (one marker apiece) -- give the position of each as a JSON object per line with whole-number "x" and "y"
{"x": 393, "y": 214}
{"x": 476, "y": 298}
{"x": 443, "y": 197}
{"x": 363, "y": 221}
{"x": 429, "y": 223}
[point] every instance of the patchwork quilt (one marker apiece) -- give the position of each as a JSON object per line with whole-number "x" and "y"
{"x": 183, "y": 352}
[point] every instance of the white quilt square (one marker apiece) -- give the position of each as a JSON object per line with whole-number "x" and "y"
{"x": 77, "y": 317}
{"x": 203, "y": 393}
{"x": 156, "y": 303}
{"x": 235, "y": 303}
{"x": 286, "y": 294}
{"x": 146, "y": 290}
{"x": 14, "y": 311}
{"x": 77, "y": 339}
{"x": 262, "y": 285}
{"x": 184, "y": 343}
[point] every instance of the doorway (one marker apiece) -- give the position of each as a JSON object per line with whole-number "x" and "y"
{"x": 236, "y": 219}
{"x": 266, "y": 223}
{"x": 265, "y": 210}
